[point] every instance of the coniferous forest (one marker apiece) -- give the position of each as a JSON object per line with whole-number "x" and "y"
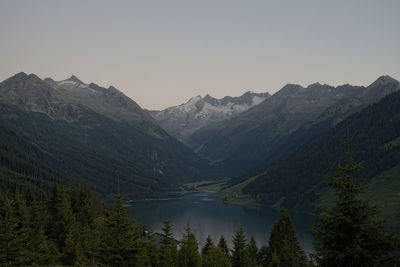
{"x": 72, "y": 227}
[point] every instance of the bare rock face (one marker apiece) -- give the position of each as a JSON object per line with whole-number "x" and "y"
{"x": 184, "y": 120}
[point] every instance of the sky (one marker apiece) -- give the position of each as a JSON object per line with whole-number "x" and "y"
{"x": 161, "y": 53}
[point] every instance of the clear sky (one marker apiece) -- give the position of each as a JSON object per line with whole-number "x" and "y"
{"x": 161, "y": 53}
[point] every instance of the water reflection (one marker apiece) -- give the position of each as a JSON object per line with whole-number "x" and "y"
{"x": 208, "y": 215}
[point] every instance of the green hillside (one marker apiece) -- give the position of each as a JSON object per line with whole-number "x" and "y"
{"x": 384, "y": 191}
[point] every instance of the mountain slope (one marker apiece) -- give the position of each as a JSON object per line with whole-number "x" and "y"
{"x": 89, "y": 134}
{"x": 293, "y": 180}
{"x": 184, "y": 120}
{"x": 262, "y": 132}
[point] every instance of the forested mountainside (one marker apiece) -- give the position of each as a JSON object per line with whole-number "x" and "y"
{"x": 184, "y": 120}
{"x": 294, "y": 180}
{"x": 285, "y": 120}
{"x": 87, "y": 134}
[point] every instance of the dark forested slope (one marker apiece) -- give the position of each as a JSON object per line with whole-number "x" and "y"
{"x": 293, "y": 179}
{"x": 284, "y": 121}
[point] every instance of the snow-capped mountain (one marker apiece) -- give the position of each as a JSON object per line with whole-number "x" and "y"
{"x": 183, "y": 120}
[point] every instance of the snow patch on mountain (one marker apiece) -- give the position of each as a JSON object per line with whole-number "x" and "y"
{"x": 183, "y": 120}
{"x": 74, "y": 85}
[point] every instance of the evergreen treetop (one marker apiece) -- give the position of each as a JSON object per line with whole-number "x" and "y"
{"x": 240, "y": 255}
{"x": 349, "y": 234}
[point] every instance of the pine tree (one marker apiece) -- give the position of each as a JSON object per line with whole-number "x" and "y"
{"x": 264, "y": 256}
{"x": 253, "y": 252}
{"x": 72, "y": 252}
{"x": 86, "y": 209}
{"x": 349, "y": 234}
{"x": 216, "y": 257}
{"x": 11, "y": 244}
{"x": 222, "y": 244}
{"x": 142, "y": 258}
{"x": 83, "y": 207}
{"x": 240, "y": 256}
{"x": 62, "y": 219}
{"x": 152, "y": 251}
{"x": 168, "y": 251}
{"x": 189, "y": 250}
{"x": 117, "y": 243}
{"x": 208, "y": 244}
{"x": 25, "y": 232}
{"x": 283, "y": 244}
{"x": 44, "y": 252}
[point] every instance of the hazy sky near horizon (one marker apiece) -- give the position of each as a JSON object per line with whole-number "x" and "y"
{"x": 161, "y": 53}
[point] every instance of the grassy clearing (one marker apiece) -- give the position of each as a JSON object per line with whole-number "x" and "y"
{"x": 214, "y": 186}
{"x": 235, "y": 194}
{"x": 383, "y": 191}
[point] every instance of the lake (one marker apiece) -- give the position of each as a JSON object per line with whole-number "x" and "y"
{"x": 209, "y": 215}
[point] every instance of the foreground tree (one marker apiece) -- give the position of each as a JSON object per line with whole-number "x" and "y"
{"x": 189, "y": 250}
{"x": 264, "y": 255}
{"x": 207, "y": 245}
{"x": 253, "y": 252}
{"x": 119, "y": 236}
{"x": 12, "y": 240}
{"x": 240, "y": 255}
{"x": 222, "y": 245}
{"x": 216, "y": 257}
{"x": 349, "y": 234}
{"x": 168, "y": 251}
{"x": 62, "y": 220}
{"x": 284, "y": 247}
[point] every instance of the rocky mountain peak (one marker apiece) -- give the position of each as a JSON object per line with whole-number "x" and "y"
{"x": 49, "y": 80}
{"x": 289, "y": 89}
{"x": 384, "y": 80}
{"x": 183, "y": 120}
{"x": 208, "y": 98}
{"x": 19, "y": 76}
{"x": 73, "y": 78}
{"x": 316, "y": 84}
{"x": 383, "y": 86}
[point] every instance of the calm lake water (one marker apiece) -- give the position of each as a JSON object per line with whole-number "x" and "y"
{"x": 208, "y": 215}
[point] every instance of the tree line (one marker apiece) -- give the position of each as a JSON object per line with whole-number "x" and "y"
{"x": 74, "y": 228}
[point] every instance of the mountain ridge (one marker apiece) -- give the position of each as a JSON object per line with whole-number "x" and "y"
{"x": 183, "y": 120}
{"x": 293, "y": 179}
{"x": 87, "y": 133}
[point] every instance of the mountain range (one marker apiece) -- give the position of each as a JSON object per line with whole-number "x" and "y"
{"x": 87, "y": 134}
{"x": 275, "y": 152}
{"x": 184, "y": 120}
{"x": 271, "y": 148}
{"x": 283, "y": 121}
{"x": 294, "y": 179}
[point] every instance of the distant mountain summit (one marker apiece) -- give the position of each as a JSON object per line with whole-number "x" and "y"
{"x": 183, "y": 120}
{"x": 107, "y": 101}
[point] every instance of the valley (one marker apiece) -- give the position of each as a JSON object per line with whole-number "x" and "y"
{"x": 74, "y": 132}
{"x": 241, "y": 162}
